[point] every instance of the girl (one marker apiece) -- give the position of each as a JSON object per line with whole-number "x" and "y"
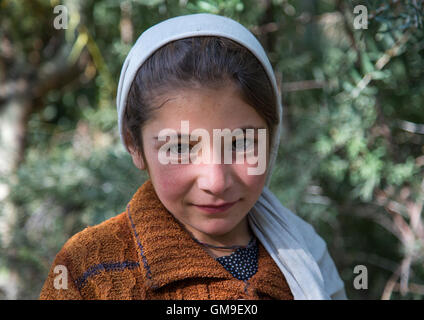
{"x": 198, "y": 229}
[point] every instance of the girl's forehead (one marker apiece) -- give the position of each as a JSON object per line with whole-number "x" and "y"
{"x": 226, "y": 98}
{"x": 218, "y": 108}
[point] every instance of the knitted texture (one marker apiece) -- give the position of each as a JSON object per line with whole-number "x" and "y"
{"x": 144, "y": 253}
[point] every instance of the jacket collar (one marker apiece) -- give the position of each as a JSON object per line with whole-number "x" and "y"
{"x": 168, "y": 253}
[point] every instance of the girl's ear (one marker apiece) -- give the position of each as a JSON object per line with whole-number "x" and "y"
{"x": 137, "y": 158}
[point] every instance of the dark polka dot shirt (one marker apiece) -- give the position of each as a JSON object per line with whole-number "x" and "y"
{"x": 242, "y": 263}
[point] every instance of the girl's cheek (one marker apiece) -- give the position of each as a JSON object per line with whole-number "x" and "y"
{"x": 169, "y": 179}
{"x": 253, "y": 181}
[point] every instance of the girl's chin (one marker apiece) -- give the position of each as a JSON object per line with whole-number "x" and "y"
{"x": 213, "y": 229}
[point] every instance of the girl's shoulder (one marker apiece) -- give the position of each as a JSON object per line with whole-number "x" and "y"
{"x": 98, "y": 235}
{"x": 85, "y": 254}
{"x": 96, "y": 244}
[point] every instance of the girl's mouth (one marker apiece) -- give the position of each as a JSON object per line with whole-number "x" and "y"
{"x": 214, "y": 208}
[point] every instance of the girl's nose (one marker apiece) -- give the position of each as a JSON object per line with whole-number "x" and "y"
{"x": 215, "y": 178}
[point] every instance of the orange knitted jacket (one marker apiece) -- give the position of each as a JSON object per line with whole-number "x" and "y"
{"x": 144, "y": 253}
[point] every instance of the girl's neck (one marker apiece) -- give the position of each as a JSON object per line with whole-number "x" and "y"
{"x": 238, "y": 237}
{"x": 220, "y": 251}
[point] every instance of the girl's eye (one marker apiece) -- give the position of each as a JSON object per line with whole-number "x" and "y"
{"x": 180, "y": 148}
{"x": 242, "y": 145}
{"x": 239, "y": 145}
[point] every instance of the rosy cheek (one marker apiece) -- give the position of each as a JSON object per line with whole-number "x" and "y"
{"x": 166, "y": 180}
{"x": 254, "y": 183}
{"x": 169, "y": 180}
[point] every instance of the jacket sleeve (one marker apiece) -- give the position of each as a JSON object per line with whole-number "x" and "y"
{"x": 60, "y": 284}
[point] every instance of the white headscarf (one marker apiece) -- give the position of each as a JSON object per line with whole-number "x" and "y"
{"x": 300, "y": 253}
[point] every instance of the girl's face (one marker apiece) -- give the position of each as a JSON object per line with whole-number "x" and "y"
{"x": 185, "y": 188}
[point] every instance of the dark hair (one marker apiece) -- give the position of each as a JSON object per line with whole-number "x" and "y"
{"x": 205, "y": 61}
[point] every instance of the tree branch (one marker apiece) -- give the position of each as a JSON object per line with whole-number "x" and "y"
{"x": 56, "y": 75}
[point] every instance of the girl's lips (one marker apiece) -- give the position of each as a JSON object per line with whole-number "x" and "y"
{"x": 216, "y": 209}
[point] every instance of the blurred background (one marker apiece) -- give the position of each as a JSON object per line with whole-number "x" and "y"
{"x": 351, "y": 158}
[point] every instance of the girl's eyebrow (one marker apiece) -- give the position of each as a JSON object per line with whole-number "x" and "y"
{"x": 187, "y": 136}
{"x": 179, "y": 135}
{"x": 252, "y": 127}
